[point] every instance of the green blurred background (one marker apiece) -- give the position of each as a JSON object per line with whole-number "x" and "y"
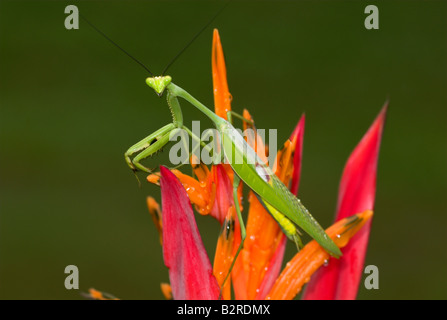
{"x": 71, "y": 104}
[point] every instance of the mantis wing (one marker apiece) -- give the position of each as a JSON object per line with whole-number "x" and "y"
{"x": 261, "y": 179}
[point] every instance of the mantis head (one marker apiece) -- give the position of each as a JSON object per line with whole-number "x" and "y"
{"x": 159, "y": 84}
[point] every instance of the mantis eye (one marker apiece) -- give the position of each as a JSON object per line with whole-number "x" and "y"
{"x": 159, "y": 84}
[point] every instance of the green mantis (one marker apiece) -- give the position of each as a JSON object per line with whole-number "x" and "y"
{"x": 247, "y": 166}
{"x": 285, "y": 208}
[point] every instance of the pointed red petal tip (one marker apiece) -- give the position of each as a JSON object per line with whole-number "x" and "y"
{"x": 298, "y": 135}
{"x": 358, "y": 183}
{"x": 341, "y": 278}
{"x": 190, "y": 271}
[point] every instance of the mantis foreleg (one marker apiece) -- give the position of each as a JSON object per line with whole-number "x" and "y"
{"x": 157, "y": 145}
{"x": 145, "y": 143}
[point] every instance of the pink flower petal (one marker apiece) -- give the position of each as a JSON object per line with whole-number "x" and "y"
{"x": 297, "y": 134}
{"x": 275, "y": 264}
{"x": 341, "y": 278}
{"x": 190, "y": 271}
{"x": 224, "y": 193}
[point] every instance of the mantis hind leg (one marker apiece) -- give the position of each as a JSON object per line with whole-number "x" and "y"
{"x": 230, "y": 115}
{"x": 236, "y": 181}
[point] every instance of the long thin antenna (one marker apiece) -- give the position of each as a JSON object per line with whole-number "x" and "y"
{"x": 194, "y": 38}
{"x": 116, "y": 45}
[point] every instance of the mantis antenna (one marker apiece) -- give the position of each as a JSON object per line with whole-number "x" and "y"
{"x": 175, "y": 57}
{"x": 116, "y": 45}
{"x": 195, "y": 37}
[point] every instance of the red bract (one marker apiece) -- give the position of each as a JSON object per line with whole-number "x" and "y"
{"x": 224, "y": 193}
{"x": 340, "y": 279}
{"x": 297, "y": 134}
{"x": 190, "y": 271}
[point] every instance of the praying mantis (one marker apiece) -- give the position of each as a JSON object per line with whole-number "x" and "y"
{"x": 284, "y": 207}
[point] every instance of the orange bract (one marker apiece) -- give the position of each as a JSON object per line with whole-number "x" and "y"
{"x": 154, "y": 210}
{"x": 299, "y": 270}
{"x": 166, "y": 290}
{"x": 222, "y": 96}
{"x": 225, "y": 251}
{"x": 98, "y": 295}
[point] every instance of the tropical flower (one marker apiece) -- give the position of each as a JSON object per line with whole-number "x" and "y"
{"x": 256, "y": 273}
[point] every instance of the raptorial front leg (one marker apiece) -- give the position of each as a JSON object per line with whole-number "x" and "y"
{"x": 152, "y": 142}
{"x": 152, "y": 149}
